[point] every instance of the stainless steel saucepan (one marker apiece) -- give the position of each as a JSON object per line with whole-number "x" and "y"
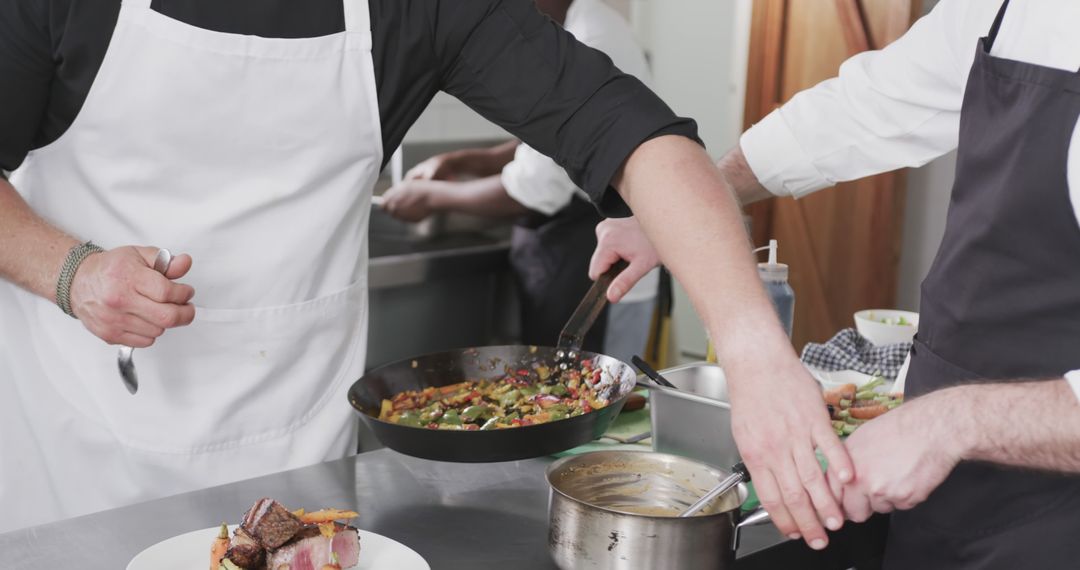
{"x": 619, "y": 510}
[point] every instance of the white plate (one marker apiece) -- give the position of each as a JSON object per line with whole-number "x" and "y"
{"x": 191, "y": 551}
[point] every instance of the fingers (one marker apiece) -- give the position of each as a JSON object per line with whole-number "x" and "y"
{"x": 602, "y": 259}
{"x": 133, "y": 340}
{"x": 121, "y": 299}
{"x": 163, "y": 315}
{"x": 800, "y": 506}
{"x": 857, "y": 504}
{"x": 835, "y": 453}
{"x": 768, "y": 493}
{"x": 622, "y": 239}
{"x": 837, "y": 489}
{"x": 813, "y": 480}
{"x": 880, "y": 505}
{"x": 160, "y": 289}
{"x": 131, "y": 324}
{"x": 626, "y": 280}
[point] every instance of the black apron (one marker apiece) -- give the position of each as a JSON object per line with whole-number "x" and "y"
{"x": 1002, "y": 301}
{"x": 550, "y": 256}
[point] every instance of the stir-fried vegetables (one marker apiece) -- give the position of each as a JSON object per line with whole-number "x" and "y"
{"x": 522, "y": 397}
{"x": 853, "y": 406}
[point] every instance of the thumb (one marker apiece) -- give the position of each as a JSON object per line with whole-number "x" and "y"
{"x": 179, "y": 266}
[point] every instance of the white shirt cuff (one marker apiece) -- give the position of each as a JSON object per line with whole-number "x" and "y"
{"x": 1073, "y": 378}
{"x": 777, "y": 159}
{"x": 536, "y": 182}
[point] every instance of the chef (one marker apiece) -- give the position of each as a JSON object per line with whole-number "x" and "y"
{"x": 245, "y": 137}
{"x": 553, "y": 235}
{"x": 982, "y": 464}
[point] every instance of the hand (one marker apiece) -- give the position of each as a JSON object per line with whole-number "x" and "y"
{"x": 121, "y": 299}
{"x": 446, "y": 166}
{"x": 409, "y": 201}
{"x": 622, "y": 239}
{"x": 778, "y": 417}
{"x": 899, "y": 459}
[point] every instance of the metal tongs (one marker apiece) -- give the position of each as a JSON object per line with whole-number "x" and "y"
{"x": 124, "y": 358}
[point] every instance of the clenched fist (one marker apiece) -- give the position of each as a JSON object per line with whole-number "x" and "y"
{"x": 120, "y": 298}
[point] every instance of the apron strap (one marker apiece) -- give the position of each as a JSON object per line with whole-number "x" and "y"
{"x": 357, "y": 16}
{"x": 997, "y": 25}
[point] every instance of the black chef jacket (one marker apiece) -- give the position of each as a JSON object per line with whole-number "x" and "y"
{"x": 502, "y": 58}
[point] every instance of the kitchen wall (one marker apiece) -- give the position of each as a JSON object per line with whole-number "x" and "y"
{"x": 698, "y": 52}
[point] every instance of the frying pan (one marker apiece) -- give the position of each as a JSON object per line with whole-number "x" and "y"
{"x": 492, "y": 362}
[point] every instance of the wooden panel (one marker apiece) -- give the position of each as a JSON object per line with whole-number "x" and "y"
{"x": 843, "y": 246}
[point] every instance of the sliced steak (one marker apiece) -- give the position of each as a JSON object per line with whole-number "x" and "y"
{"x": 270, "y": 523}
{"x": 248, "y": 556}
{"x": 313, "y": 552}
{"x": 240, "y": 536}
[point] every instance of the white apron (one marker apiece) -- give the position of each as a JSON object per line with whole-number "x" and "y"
{"x": 257, "y": 156}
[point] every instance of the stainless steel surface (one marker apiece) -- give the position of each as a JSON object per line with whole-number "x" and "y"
{"x": 439, "y": 294}
{"x": 124, "y": 358}
{"x": 695, "y": 420}
{"x": 729, "y": 483}
{"x": 397, "y": 261}
{"x": 618, "y": 510}
{"x": 457, "y": 516}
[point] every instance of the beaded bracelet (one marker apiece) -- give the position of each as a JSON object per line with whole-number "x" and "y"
{"x": 74, "y": 258}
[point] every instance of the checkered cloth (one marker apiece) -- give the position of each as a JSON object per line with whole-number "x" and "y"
{"x": 849, "y": 350}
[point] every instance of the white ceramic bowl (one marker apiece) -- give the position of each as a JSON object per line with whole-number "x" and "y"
{"x": 835, "y": 378}
{"x": 880, "y": 326}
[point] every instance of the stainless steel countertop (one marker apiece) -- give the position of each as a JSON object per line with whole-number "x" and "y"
{"x": 455, "y": 515}
{"x": 398, "y": 261}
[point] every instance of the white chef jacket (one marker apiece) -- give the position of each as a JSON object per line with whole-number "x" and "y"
{"x": 535, "y": 180}
{"x": 900, "y": 106}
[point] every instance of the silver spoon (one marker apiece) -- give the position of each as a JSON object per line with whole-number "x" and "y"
{"x": 123, "y": 359}
{"x": 739, "y": 474}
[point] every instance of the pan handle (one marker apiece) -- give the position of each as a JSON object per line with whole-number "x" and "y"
{"x": 573, "y": 334}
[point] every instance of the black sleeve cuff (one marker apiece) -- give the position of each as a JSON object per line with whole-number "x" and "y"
{"x": 616, "y": 120}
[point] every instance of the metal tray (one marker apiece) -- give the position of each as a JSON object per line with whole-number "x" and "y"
{"x": 694, "y": 421}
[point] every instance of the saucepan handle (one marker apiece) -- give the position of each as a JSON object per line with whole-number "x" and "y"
{"x": 756, "y": 517}
{"x": 573, "y": 334}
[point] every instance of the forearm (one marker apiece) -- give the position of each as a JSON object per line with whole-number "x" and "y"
{"x": 484, "y": 162}
{"x": 1024, "y": 424}
{"x": 501, "y": 155}
{"x": 31, "y": 251}
{"x": 690, "y": 214}
{"x": 738, "y": 174}
{"x": 481, "y": 197}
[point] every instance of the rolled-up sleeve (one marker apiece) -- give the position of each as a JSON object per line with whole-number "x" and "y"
{"x": 525, "y": 73}
{"x": 887, "y": 109}
{"x": 26, "y": 68}
{"x": 537, "y": 182}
